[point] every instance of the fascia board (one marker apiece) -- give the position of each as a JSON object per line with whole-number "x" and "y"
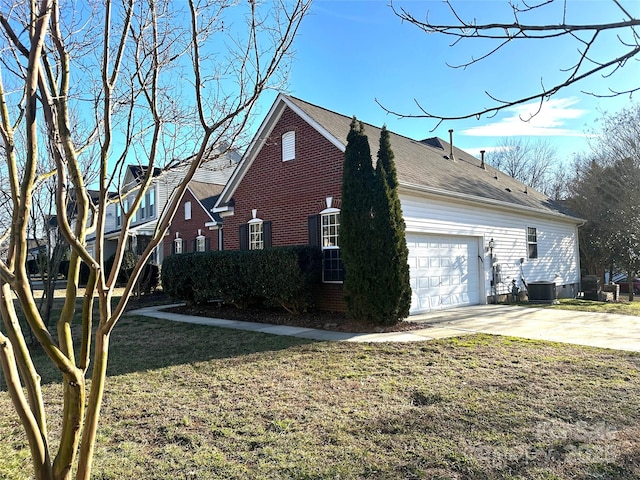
{"x": 472, "y": 199}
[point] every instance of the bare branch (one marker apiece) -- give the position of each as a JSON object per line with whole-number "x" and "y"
{"x": 505, "y": 33}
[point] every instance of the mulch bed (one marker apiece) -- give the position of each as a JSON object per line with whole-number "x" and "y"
{"x": 334, "y": 321}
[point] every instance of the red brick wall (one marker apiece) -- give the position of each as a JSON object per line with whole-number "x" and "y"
{"x": 188, "y": 229}
{"x": 286, "y": 193}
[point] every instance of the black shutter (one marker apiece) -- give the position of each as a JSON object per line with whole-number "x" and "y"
{"x": 266, "y": 234}
{"x": 207, "y": 244}
{"x": 184, "y": 246}
{"x": 313, "y": 222}
{"x": 193, "y": 246}
{"x": 244, "y": 237}
{"x": 173, "y": 247}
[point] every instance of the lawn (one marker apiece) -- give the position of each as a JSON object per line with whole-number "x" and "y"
{"x": 623, "y": 307}
{"x": 194, "y": 402}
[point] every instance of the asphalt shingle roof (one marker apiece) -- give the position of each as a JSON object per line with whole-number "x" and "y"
{"x": 426, "y": 164}
{"x": 207, "y": 194}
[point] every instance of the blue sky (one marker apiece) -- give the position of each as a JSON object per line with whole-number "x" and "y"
{"x": 350, "y": 53}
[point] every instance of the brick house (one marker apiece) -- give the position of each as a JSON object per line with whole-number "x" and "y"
{"x": 471, "y": 230}
{"x": 194, "y": 227}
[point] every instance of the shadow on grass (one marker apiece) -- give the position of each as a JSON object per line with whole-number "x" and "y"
{"x": 143, "y": 343}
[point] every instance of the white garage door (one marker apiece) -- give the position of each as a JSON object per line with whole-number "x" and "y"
{"x": 444, "y": 272}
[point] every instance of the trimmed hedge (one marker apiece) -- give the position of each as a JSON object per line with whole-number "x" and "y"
{"x": 281, "y": 276}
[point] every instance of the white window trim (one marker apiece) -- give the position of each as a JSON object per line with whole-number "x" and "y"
{"x": 177, "y": 249}
{"x": 536, "y": 243}
{"x": 201, "y": 239}
{"x": 324, "y": 213}
{"x": 289, "y": 146}
{"x": 254, "y": 222}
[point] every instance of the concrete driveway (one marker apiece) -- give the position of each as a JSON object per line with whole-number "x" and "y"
{"x": 621, "y": 332}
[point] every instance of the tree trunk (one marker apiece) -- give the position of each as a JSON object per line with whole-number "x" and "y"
{"x": 93, "y": 406}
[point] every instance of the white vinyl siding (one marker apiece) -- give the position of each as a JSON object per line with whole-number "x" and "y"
{"x": 557, "y": 260}
{"x": 288, "y": 146}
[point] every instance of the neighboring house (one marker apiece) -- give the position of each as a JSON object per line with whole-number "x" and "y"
{"x": 286, "y": 190}
{"x": 194, "y": 227}
{"x": 211, "y": 176}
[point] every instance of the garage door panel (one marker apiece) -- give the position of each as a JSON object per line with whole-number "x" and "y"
{"x": 442, "y": 274}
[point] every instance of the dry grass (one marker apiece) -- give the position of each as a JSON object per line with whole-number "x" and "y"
{"x": 194, "y": 402}
{"x": 622, "y": 307}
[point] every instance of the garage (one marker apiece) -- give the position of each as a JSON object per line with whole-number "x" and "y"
{"x": 443, "y": 271}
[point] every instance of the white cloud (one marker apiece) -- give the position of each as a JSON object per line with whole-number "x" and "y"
{"x": 550, "y": 121}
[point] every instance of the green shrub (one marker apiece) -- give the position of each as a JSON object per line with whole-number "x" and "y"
{"x": 129, "y": 260}
{"x": 282, "y": 276}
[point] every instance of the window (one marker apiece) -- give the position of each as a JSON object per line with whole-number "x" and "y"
{"x": 332, "y": 268}
{"x": 330, "y": 229}
{"x": 288, "y": 146}
{"x": 256, "y": 237}
{"x": 532, "y": 242}
{"x": 255, "y": 234}
{"x": 150, "y": 198}
{"x": 118, "y": 215}
{"x": 177, "y": 245}
{"x": 135, "y": 214}
{"x": 201, "y": 242}
{"x": 187, "y": 211}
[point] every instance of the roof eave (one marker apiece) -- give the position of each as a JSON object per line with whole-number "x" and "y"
{"x": 410, "y": 187}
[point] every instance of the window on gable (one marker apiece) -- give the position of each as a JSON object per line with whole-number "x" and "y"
{"x": 532, "y": 242}
{"x": 187, "y": 211}
{"x": 288, "y": 146}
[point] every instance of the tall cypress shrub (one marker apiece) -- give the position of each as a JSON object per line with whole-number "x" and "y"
{"x": 356, "y": 223}
{"x": 392, "y": 288}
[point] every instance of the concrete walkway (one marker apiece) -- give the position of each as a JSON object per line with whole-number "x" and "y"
{"x": 621, "y": 332}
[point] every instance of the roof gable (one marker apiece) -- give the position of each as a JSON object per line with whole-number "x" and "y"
{"x": 206, "y": 195}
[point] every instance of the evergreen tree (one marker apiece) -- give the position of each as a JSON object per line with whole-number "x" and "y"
{"x": 392, "y": 289}
{"x": 356, "y": 226}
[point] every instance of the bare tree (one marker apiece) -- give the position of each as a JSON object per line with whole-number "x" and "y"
{"x": 589, "y": 39}
{"x": 147, "y": 82}
{"x": 530, "y": 162}
{"x": 606, "y": 192}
